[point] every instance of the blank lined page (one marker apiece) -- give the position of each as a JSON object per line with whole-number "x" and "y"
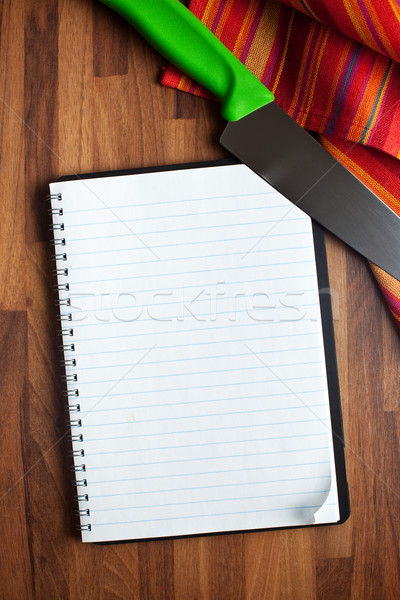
{"x": 198, "y": 354}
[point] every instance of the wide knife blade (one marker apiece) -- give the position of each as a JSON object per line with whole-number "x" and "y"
{"x": 265, "y": 138}
{"x": 285, "y": 155}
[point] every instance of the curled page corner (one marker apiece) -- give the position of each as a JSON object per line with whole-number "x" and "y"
{"x": 326, "y": 508}
{"x": 311, "y": 516}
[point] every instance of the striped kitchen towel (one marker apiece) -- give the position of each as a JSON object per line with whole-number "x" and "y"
{"x": 332, "y": 65}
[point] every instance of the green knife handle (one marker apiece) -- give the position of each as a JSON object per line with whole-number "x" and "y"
{"x": 187, "y": 43}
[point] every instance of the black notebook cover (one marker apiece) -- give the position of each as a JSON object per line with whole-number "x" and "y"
{"x": 327, "y": 326}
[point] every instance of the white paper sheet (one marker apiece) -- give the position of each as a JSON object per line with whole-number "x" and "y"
{"x": 199, "y": 355}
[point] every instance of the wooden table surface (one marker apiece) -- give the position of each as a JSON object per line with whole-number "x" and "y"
{"x": 79, "y": 92}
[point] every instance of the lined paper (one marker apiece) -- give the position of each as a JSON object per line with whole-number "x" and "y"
{"x": 199, "y": 358}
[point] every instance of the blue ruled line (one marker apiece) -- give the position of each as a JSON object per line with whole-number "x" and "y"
{"x": 157, "y": 362}
{"x": 206, "y": 415}
{"x": 147, "y": 262}
{"x": 241, "y": 369}
{"x": 242, "y": 512}
{"x": 181, "y": 317}
{"x": 299, "y": 262}
{"x": 138, "y": 435}
{"x": 174, "y": 331}
{"x": 264, "y": 338}
{"x": 197, "y": 285}
{"x": 177, "y": 202}
{"x": 208, "y": 298}
{"x": 136, "y": 233}
{"x": 220, "y": 485}
{"x": 225, "y": 471}
{"x": 207, "y": 213}
{"x": 182, "y": 460}
{"x": 199, "y": 387}
{"x": 185, "y": 244}
{"x": 98, "y": 510}
{"x": 229, "y": 398}
{"x": 224, "y": 442}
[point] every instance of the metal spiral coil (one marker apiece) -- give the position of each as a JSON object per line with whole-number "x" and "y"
{"x": 64, "y": 317}
{"x": 71, "y": 392}
{"x": 77, "y": 468}
{"x": 73, "y": 408}
{"x": 68, "y": 347}
{"x": 61, "y": 287}
{"x": 57, "y": 227}
{"x": 58, "y": 242}
{"x": 68, "y": 378}
{"x": 63, "y": 301}
{"x": 55, "y": 211}
{"x": 83, "y": 512}
{"x": 52, "y": 197}
{"x": 61, "y": 271}
{"x": 80, "y": 452}
{"x": 81, "y": 482}
{"x": 68, "y": 331}
{"x": 81, "y": 497}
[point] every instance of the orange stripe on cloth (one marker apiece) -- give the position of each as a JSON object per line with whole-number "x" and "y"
{"x": 392, "y": 201}
{"x": 379, "y": 105}
{"x": 210, "y": 13}
{"x": 339, "y": 68}
{"x": 310, "y": 89}
{"x": 262, "y": 44}
{"x": 303, "y": 6}
{"x": 390, "y": 288}
{"x": 224, "y": 18}
{"x": 380, "y": 30}
{"x": 304, "y": 59}
{"x": 283, "y": 59}
{"x": 245, "y": 30}
{"x": 396, "y": 9}
{"x": 359, "y": 24}
{"x": 367, "y": 101}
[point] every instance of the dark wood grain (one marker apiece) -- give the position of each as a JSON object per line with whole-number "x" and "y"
{"x": 40, "y": 110}
{"x": 15, "y": 551}
{"x": 110, "y": 43}
{"x": 79, "y": 92}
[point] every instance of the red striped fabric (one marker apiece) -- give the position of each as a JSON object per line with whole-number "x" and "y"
{"x": 332, "y": 66}
{"x": 373, "y": 24}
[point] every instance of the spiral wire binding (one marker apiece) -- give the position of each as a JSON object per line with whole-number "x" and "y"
{"x": 71, "y": 392}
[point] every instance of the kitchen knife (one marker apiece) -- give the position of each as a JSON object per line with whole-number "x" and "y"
{"x": 265, "y": 138}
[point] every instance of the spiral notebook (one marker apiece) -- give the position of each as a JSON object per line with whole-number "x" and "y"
{"x": 199, "y": 354}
